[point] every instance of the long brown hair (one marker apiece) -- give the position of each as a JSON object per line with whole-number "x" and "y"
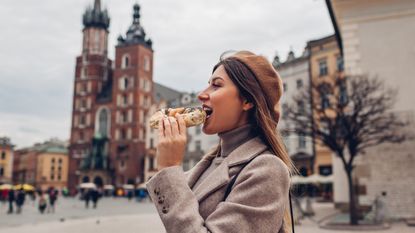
{"x": 260, "y": 115}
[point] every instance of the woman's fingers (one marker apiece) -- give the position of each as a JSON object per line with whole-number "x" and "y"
{"x": 174, "y": 126}
{"x": 182, "y": 124}
{"x": 167, "y": 127}
{"x": 161, "y": 128}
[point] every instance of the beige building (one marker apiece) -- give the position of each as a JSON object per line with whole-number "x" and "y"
{"x": 43, "y": 165}
{"x": 52, "y": 168}
{"x": 377, "y": 39}
{"x": 326, "y": 66}
{"x": 6, "y": 160}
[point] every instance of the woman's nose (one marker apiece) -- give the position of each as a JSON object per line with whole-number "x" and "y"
{"x": 203, "y": 96}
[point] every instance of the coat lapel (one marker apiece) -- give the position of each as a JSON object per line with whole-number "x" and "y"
{"x": 220, "y": 176}
{"x": 194, "y": 173}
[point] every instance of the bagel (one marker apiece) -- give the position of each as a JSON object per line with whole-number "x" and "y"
{"x": 192, "y": 116}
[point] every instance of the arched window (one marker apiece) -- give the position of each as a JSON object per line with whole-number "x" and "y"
{"x": 125, "y": 61}
{"x": 103, "y": 122}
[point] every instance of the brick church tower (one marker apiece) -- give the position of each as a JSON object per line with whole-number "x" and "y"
{"x": 110, "y": 102}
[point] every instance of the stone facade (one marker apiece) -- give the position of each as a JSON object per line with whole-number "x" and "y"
{"x": 294, "y": 72}
{"x": 376, "y": 37}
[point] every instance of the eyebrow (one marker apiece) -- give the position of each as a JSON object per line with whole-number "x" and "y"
{"x": 214, "y": 78}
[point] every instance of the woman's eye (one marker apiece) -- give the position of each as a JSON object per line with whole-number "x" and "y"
{"x": 215, "y": 85}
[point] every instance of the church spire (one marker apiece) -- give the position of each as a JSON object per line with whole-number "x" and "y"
{"x": 96, "y": 17}
{"x": 135, "y": 33}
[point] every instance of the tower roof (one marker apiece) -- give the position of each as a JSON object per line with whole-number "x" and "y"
{"x": 95, "y": 17}
{"x": 135, "y": 33}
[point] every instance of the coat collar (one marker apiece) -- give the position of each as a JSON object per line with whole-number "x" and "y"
{"x": 220, "y": 176}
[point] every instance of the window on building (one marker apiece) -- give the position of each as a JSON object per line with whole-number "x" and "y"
{"x": 299, "y": 83}
{"x": 103, "y": 122}
{"x": 147, "y": 63}
{"x": 325, "y": 170}
{"x": 325, "y": 102}
{"x": 123, "y": 134}
{"x": 125, "y": 61}
{"x": 126, "y": 83}
{"x": 83, "y": 120}
{"x": 52, "y": 177}
{"x": 84, "y": 87}
{"x": 53, "y": 160}
{"x": 124, "y": 117}
{"x": 60, "y": 161}
{"x": 59, "y": 177}
{"x": 284, "y": 111}
{"x": 339, "y": 63}
{"x": 1, "y": 171}
{"x": 125, "y": 100}
{"x": 343, "y": 97}
{"x": 81, "y": 136}
{"x": 198, "y": 145}
{"x": 151, "y": 143}
{"x": 323, "y": 67}
{"x": 3, "y": 155}
{"x": 301, "y": 141}
{"x": 83, "y": 103}
{"x": 151, "y": 161}
{"x": 301, "y": 107}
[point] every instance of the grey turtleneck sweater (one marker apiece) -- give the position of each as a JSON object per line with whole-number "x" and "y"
{"x": 229, "y": 141}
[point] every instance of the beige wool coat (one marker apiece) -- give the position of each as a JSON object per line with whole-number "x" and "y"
{"x": 256, "y": 203}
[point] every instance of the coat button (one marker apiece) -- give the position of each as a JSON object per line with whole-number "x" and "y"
{"x": 161, "y": 199}
{"x": 157, "y": 190}
{"x": 165, "y": 210}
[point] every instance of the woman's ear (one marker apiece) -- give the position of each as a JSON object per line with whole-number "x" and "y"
{"x": 247, "y": 105}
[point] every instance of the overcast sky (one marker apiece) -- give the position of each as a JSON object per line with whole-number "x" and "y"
{"x": 39, "y": 41}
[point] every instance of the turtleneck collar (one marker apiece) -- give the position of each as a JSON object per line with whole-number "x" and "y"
{"x": 230, "y": 140}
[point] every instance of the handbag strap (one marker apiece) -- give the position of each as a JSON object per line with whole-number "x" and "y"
{"x": 232, "y": 182}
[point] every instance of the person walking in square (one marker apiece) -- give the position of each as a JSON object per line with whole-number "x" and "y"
{"x": 11, "y": 198}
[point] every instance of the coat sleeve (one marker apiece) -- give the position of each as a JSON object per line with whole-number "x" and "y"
{"x": 256, "y": 203}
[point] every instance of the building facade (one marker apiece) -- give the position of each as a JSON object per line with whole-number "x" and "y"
{"x": 111, "y": 100}
{"x": 6, "y": 160}
{"x": 326, "y": 68}
{"x": 294, "y": 72}
{"x": 376, "y": 40}
{"x": 43, "y": 165}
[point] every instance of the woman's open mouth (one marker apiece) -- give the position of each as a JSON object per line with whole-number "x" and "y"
{"x": 208, "y": 111}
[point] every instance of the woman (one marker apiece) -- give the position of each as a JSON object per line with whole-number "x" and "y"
{"x": 243, "y": 185}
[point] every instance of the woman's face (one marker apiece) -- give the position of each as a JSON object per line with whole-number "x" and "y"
{"x": 225, "y": 108}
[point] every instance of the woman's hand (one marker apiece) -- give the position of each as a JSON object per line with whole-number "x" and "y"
{"x": 172, "y": 141}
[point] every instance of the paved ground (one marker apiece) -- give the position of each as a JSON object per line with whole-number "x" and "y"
{"x": 113, "y": 215}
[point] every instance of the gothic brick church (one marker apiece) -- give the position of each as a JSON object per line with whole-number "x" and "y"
{"x": 110, "y": 102}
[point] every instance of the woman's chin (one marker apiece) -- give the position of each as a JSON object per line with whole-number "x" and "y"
{"x": 207, "y": 129}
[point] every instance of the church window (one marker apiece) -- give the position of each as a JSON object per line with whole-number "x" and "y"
{"x": 103, "y": 122}
{"x": 125, "y": 61}
{"x": 147, "y": 63}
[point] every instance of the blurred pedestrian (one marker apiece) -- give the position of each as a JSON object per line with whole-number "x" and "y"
{"x": 20, "y": 199}
{"x": 130, "y": 195}
{"x": 87, "y": 197}
{"x": 42, "y": 202}
{"x": 94, "y": 197}
{"x": 53, "y": 196}
{"x": 380, "y": 208}
{"x": 11, "y": 198}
